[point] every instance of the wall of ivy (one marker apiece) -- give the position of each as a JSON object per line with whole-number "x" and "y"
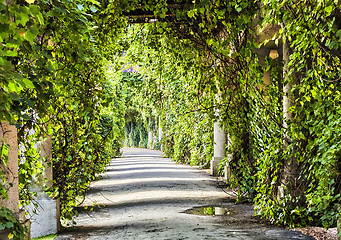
{"x": 205, "y": 58}
{"x": 61, "y": 74}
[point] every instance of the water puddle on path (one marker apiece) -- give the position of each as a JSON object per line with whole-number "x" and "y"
{"x": 213, "y": 211}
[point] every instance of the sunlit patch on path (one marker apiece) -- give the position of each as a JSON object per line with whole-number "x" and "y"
{"x": 145, "y": 196}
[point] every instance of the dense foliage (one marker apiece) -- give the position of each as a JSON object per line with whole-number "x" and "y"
{"x": 8, "y": 222}
{"x": 213, "y": 56}
{"x": 62, "y": 73}
{"x": 136, "y": 124}
{"x": 53, "y": 83}
{"x": 166, "y": 95}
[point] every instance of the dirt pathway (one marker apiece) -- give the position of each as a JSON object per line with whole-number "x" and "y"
{"x": 144, "y": 196}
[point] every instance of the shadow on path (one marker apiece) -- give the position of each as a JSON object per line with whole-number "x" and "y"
{"x": 145, "y": 196}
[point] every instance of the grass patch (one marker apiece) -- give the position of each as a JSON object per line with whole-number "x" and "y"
{"x": 47, "y": 237}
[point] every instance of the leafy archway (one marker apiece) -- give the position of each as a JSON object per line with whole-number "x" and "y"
{"x": 61, "y": 75}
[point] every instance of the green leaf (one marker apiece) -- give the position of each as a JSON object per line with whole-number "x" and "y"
{"x": 238, "y": 8}
{"x": 338, "y": 33}
{"x": 190, "y": 14}
{"x": 22, "y": 19}
{"x": 11, "y": 53}
{"x": 12, "y": 87}
{"x": 29, "y": 36}
{"x": 9, "y": 225}
{"x": 28, "y": 83}
{"x": 35, "y": 12}
{"x": 329, "y": 9}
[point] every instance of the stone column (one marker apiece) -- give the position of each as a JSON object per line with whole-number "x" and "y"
{"x": 155, "y": 138}
{"x": 267, "y": 77}
{"x": 150, "y": 139}
{"x": 45, "y": 218}
{"x": 45, "y": 149}
{"x": 227, "y": 169}
{"x": 8, "y": 135}
{"x": 339, "y": 223}
{"x": 219, "y": 147}
{"x": 160, "y": 134}
{"x": 288, "y": 98}
{"x": 290, "y": 165}
{"x": 262, "y": 53}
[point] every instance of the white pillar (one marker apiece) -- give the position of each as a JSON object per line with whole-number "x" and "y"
{"x": 150, "y": 139}
{"x": 160, "y": 134}
{"x": 227, "y": 169}
{"x": 154, "y": 139}
{"x": 219, "y": 147}
{"x": 45, "y": 218}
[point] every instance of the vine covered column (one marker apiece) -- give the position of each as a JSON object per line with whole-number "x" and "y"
{"x": 160, "y": 133}
{"x": 150, "y": 139}
{"x": 290, "y": 165}
{"x": 151, "y": 135}
{"x": 339, "y": 224}
{"x": 219, "y": 147}
{"x": 45, "y": 218}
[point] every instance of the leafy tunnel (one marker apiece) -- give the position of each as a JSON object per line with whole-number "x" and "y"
{"x": 94, "y": 75}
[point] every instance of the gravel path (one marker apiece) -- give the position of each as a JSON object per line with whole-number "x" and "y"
{"x": 144, "y": 196}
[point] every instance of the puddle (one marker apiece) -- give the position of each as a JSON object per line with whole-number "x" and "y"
{"x": 213, "y": 211}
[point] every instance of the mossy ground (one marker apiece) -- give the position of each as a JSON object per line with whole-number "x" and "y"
{"x": 47, "y": 237}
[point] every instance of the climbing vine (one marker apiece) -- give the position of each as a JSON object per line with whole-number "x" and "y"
{"x": 63, "y": 65}
{"x": 8, "y": 222}
{"x": 166, "y": 92}
{"x": 53, "y": 83}
{"x": 262, "y": 142}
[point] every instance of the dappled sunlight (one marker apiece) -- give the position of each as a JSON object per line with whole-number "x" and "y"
{"x": 139, "y": 157}
{"x": 154, "y": 195}
{"x": 153, "y": 201}
{"x": 156, "y": 171}
{"x": 108, "y": 183}
{"x": 150, "y": 181}
{"x": 143, "y": 165}
{"x": 249, "y": 89}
